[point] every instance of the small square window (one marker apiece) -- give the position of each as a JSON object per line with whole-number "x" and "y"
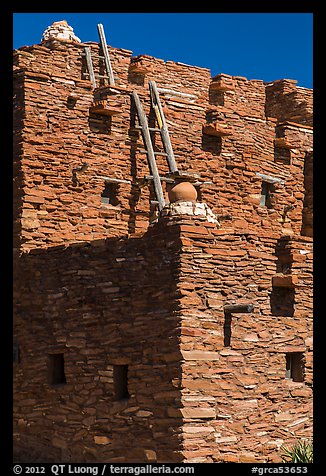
{"x": 295, "y": 366}
{"x": 282, "y": 156}
{"x": 120, "y": 381}
{"x": 110, "y": 194}
{"x": 282, "y": 301}
{"x": 56, "y": 369}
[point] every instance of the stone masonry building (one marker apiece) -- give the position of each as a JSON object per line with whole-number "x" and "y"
{"x": 145, "y": 335}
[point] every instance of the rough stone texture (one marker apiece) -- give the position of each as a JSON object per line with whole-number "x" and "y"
{"x": 191, "y": 209}
{"x": 246, "y": 384}
{"x": 109, "y": 284}
{"x": 59, "y": 30}
{"x": 100, "y": 304}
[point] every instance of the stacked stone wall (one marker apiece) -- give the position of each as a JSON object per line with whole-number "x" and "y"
{"x": 62, "y": 201}
{"x": 109, "y": 303}
{"x": 240, "y": 380}
{"x": 104, "y": 284}
{"x": 156, "y": 304}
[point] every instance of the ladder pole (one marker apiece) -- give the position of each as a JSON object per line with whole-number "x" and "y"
{"x": 106, "y": 54}
{"x": 150, "y": 152}
{"x": 90, "y": 65}
{"x": 163, "y": 126}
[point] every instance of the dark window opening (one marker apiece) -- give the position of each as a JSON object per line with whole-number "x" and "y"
{"x": 282, "y": 156}
{"x": 71, "y": 102}
{"x": 56, "y": 369}
{"x": 212, "y": 144}
{"x": 265, "y": 198}
{"x": 227, "y": 329}
{"x": 282, "y": 301}
{"x": 295, "y": 366}
{"x": 216, "y": 98}
{"x": 284, "y": 257}
{"x": 136, "y": 78}
{"x": 120, "y": 381}
{"x": 110, "y": 194}
{"x": 307, "y": 222}
{"x": 99, "y": 123}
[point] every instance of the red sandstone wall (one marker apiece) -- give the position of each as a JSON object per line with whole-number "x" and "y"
{"x": 97, "y": 302}
{"x": 59, "y": 138}
{"x": 17, "y": 157}
{"x": 288, "y": 102}
{"x": 111, "y": 302}
{"x": 249, "y": 409}
{"x": 156, "y": 303}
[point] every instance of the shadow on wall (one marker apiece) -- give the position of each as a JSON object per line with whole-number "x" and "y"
{"x": 134, "y": 136}
{"x": 307, "y": 211}
{"x": 97, "y": 309}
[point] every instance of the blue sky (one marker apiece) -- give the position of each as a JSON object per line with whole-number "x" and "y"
{"x": 265, "y": 46}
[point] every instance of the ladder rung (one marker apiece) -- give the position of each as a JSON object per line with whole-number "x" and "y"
{"x": 143, "y": 151}
{"x": 156, "y": 104}
{"x": 152, "y": 129}
{"x": 101, "y": 76}
{"x": 155, "y": 153}
{"x": 99, "y": 56}
{"x": 163, "y": 179}
{"x": 98, "y": 75}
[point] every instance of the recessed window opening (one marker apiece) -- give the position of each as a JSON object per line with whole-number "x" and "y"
{"x": 265, "y": 199}
{"x": 110, "y": 194}
{"x": 56, "y": 369}
{"x": 120, "y": 381}
{"x": 136, "y": 78}
{"x": 295, "y": 366}
{"x": 282, "y": 156}
{"x": 282, "y": 301}
{"x": 212, "y": 144}
{"x": 216, "y": 97}
{"x": 284, "y": 257}
{"x": 227, "y": 329}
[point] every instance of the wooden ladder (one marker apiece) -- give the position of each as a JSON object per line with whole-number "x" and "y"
{"x": 105, "y": 56}
{"x": 163, "y": 128}
{"x": 146, "y": 130}
{"x": 147, "y": 139}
